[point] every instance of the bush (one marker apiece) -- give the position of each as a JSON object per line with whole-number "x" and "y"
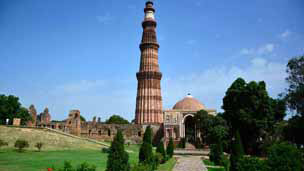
{"x": 216, "y": 152}
{"x": 3, "y": 143}
{"x": 142, "y": 167}
{"x": 161, "y": 150}
{"x": 145, "y": 151}
{"x": 82, "y": 167}
{"x": 284, "y": 157}
{"x": 225, "y": 162}
{"x": 39, "y": 145}
{"x": 170, "y": 148}
{"x": 237, "y": 152}
{"x": 251, "y": 164}
{"x": 21, "y": 144}
{"x": 182, "y": 143}
{"x": 118, "y": 158}
{"x": 105, "y": 150}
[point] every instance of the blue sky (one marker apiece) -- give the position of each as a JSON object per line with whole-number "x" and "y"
{"x": 77, "y": 54}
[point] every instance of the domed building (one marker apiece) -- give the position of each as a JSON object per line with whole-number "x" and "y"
{"x": 179, "y": 122}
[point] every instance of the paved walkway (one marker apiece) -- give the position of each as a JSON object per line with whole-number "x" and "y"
{"x": 189, "y": 163}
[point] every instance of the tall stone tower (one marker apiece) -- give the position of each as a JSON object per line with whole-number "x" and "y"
{"x": 149, "y": 99}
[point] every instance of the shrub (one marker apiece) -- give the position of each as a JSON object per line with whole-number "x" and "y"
{"x": 86, "y": 167}
{"x": 237, "y": 152}
{"x": 225, "y": 162}
{"x": 251, "y": 164}
{"x": 39, "y": 145}
{"x": 182, "y": 143}
{"x": 216, "y": 152}
{"x": 105, "y": 150}
{"x": 3, "y": 143}
{"x": 82, "y": 167}
{"x": 118, "y": 158}
{"x": 284, "y": 157}
{"x": 21, "y": 144}
{"x": 170, "y": 148}
{"x": 145, "y": 151}
{"x": 142, "y": 167}
{"x": 161, "y": 150}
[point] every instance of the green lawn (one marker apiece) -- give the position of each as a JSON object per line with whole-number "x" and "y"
{"x": 210, "y": 163}
{"x": 31, "y": 160}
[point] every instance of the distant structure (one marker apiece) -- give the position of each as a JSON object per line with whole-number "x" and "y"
{"x": 44, "y": 117}
{"x": 149, "y": 100}
{"x": 33, "y": 114}
{"x": 179, "y": 121}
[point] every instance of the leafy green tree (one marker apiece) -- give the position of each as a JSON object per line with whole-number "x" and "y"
{"x": 21, "y": 144}
{"x": 145, "y": 151}
{"x": 294, "y": 97}
{"x": 82, "y": 118}
{"x": 284, "y": 157}
{"x": 24, "y": 115}
{"x": 161, "y": 150}
{"x": 249, "y": 109}
{"x": 118, "y": 158}
{"x": 170, "y": 148}
{"x": 293, "y": 132}
{"x": 116, "y": 119}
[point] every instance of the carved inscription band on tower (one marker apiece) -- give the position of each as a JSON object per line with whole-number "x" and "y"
{"x": 149, "y": 99}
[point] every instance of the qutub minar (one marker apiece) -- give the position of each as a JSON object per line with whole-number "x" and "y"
{"x": 149, "y": 100}
{"x": 176, "y": 122}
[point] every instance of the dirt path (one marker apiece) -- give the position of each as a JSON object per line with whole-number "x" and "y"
{"x": 187, "y": 163}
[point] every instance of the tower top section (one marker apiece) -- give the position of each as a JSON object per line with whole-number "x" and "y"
{"x": 149, "y": 11}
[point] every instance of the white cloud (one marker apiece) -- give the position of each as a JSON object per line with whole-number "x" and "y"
{"x": 104, "y": 19}
{"x": 210, "y": 85}
{"x": 264, "y": 49}
{"x": 285, "y": 34}
{"x": 190, "y": 42}
{"x": 267, "y": 48}
{"x": 78, "y": 87}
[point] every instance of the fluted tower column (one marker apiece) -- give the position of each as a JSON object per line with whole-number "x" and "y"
{"x": 149, "y": 99}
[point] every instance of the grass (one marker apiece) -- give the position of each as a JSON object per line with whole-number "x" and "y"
{"x": 29, "y": 160}
{"x": 56, "y": 149}
{"x": 51, "y": 141}
{"x": 168, "y": 165}
{"x": 210, "y": 163}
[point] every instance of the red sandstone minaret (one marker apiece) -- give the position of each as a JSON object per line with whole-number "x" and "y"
{"x": 149, "y": 99}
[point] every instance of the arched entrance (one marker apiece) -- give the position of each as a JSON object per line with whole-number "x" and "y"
{"x": 189, "y": 129}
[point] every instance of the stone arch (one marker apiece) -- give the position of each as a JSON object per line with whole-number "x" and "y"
{"x": 189, "y": 128}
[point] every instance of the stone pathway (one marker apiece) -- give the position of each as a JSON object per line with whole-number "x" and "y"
{"x": 189, "y": 163}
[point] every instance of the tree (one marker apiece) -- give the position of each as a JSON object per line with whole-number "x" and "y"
{"x": 293, "y": 132}
{"x": 145, "y": 151}
{"x": 249, "y": 109}
{"x": 3, "y": 143}
{"x": 118, "y": 158}
{"x": 237, "y": 151}
{"x": 82, "y": 118}
{"x": 295, "y": 79}
{"x": 160, "y": 149}
{"x": 39, "y": 145}
{"x": 21, "y": 144}
{"x": 170, "y": 148}
{"x": 284, "y": 157}
{"x": 116, "y": 119}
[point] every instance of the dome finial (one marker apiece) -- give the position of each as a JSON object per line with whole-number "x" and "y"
{"x": 189, "y": 95}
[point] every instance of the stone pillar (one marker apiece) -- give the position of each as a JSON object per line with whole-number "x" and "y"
{"x": 149, "y": 99}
